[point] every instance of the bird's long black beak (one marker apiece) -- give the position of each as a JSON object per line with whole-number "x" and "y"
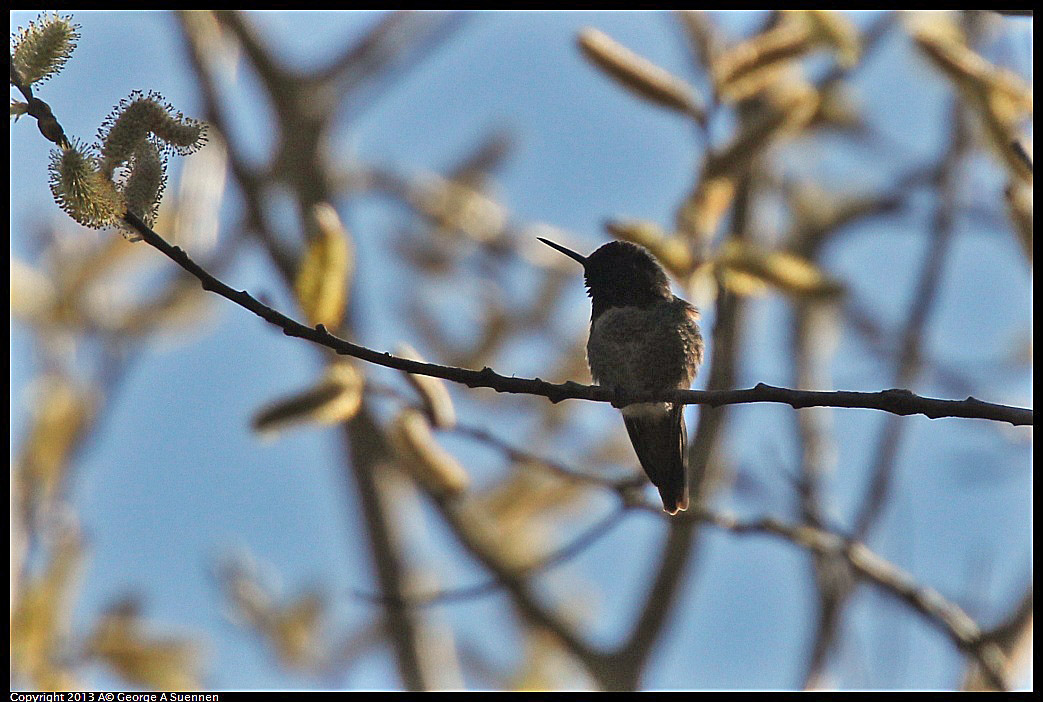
{"x": 568, "y": 252}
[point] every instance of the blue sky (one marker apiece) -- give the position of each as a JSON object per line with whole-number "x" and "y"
{"x": 174, "y": 479}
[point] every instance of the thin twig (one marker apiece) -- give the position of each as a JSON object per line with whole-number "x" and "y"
{"x": 895, "y": 401}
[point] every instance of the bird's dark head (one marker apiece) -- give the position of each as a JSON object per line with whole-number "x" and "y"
{"x": 620, "y": 274}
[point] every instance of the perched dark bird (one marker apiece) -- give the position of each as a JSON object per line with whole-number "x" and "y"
{"x": 643, "y": 339}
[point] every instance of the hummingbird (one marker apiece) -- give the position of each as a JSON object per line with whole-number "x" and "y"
{"x": 643, "y": 339}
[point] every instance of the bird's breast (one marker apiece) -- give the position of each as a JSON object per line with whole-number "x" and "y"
{"x": 645, "y": 349}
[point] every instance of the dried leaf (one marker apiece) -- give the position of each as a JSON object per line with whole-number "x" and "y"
{"x": 251, "y": 600}
{"x": 41, "y": 614}
{"x": 336, "y": 399}
{"x": 701, "y": 211}
{"x": 1002, "y": 98}
{"x": 32, "y": 293}
{"x": 419, "y": 453}
{"x": 755, "y": 65}
{"x": 782, "y": 270}
{"x": 741, "y": 282}
{"x": 638, "y": 74}
{"x": 701, "y": 285}
{"x": 78, "y": 269}
{"x": 751, "y": 66}
{"x": 180, "y": 308}
{"x": 473, "y": 170}
{"x": 547, "y": 666}
{"x": 703, "y": 36}
{"x": 836, "y": 30}
{"x": 324, "y": 273}
{"x": 295, "y": 630}
{"x": 61, "y": 410}
{"x": 201, "y": 188}
{"x": 837, "y": 108}
{"x": 793, "y": 104}
{"x": 943, "y": 42}
{"x": 529, "y": 495}
{"x": 517, "y": 518}
{"x": 792, "y": 107}
{"x": 160, "y": 663}
{"x": 459, "y": 208}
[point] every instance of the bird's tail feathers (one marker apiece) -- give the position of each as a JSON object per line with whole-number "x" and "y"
{"x": 660, "y": 441}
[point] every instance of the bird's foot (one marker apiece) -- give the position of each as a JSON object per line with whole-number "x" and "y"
{"x": 619, "y": 398}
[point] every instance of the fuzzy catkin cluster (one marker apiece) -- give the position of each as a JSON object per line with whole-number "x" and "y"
{"x": 81, "y": 190}
{"x": 125, "y": 171}
{"x": 140, "y": 118}
{"x": 130, "y": 157}
{"x": 40, "y": 50}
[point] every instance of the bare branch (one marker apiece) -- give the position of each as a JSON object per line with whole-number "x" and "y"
{"x": 901, "y": 402}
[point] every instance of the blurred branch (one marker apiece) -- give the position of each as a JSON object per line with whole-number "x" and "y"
{"x": 867, "y": 565}
{"x": 704, "y": 472}
{"x": 516, "y": 454}
{"x": 947, "y": 179}
{"x": 923, "y": 298}
{"x": 1022, "y": 153}
{"x": 864, "y": 563}
{"x": 204, "y": 47}
{"x": 586, "y": 539}
{"x": 879, "y": 339}
{"x": 813, "y": 344}
{"x": 1014, "y": 637}
{"x": 305, "y": 107}
{"x": 367, "y": 450}
{"x": 472, "y": 537}
{"x": 402, "y": 41}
